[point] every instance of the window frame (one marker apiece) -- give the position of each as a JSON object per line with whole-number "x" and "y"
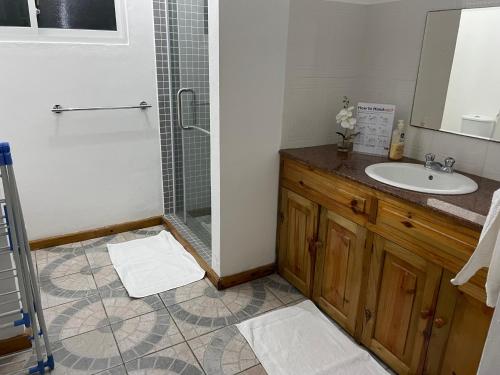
{"x": 34, "y": 34}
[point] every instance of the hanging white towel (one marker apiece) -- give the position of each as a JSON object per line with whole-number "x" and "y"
{"x": 153, "y": 264}
{"x": 487, "y": 254}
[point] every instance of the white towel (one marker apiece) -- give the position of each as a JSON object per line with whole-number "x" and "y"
{"x": 299, "y": 340}
{"x": 153, "y": 264}
{"x": 487, "y": 254}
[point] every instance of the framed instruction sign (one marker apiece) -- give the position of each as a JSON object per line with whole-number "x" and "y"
{"x": 375, "y": 123}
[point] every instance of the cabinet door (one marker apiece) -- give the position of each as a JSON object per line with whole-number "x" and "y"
{"x": 297, "y": 241}
{"x": 337, "y": 279}
{"x": 401, "y": 296}
{"x": 459, "y": 331}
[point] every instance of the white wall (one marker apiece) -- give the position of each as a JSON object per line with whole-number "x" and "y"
{"x": 251, "y": 56}
{"x": 474, "y": 86}
{"x": 83, "y": 170}
{"x": 324, "y": 59}
{"x": 213, "y": 66}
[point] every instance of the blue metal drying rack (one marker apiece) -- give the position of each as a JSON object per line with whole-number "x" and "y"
{"x": 13, "y": 230}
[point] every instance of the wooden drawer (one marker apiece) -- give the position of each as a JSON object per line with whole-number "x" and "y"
{"x": 427, "y": 230}
{"x": 327, "y": 190}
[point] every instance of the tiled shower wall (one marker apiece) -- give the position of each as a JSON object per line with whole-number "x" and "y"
{"x": 166, "y": 129}
{"x": 187, "y": 25}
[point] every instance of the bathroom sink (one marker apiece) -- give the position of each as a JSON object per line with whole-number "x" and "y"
{"x": 416, "y": 177}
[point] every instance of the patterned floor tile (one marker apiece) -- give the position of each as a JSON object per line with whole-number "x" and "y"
{"x": 177, "y": 360}
{"x": 89, "y": 353}
{"x": 96, "y": 249}
{"x": 256, "y": 370}
{"x": 107, "y": 279}
{"x": 295, "y": 302}
{"x": 66, "y": 289}
{"x": 119, "y": 306}
{"x": 75, "y": 318}
{"x": 61, "y": 261}
{"x": 185, "y": 293}
{"x": 223, "y": 352}
{"x": 201, "y": 315}
{"x": 145, "y": 334}
{"x": 249, "y": 299}
{"x": 119, "y": 370}
{"x": 282, "y": 289}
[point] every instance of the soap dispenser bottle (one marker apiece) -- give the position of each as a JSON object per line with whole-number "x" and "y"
{"x": 398, "y": 142}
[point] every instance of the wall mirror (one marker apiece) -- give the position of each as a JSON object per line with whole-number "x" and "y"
{"x": 458, "y": 84}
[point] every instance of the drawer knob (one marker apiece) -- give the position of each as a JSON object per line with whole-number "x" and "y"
{"x": 407, "y": 224}
{"x": 440, "y": 322}
{"x": 354, "y": 206}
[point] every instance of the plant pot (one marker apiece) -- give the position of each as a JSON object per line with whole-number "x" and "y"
{"x": 344, "y": 145}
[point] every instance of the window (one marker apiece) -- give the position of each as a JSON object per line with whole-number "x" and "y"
{"x": 77, "y": 14}
{"x": 73, "y": 21}
{"x": 14, "y": 13}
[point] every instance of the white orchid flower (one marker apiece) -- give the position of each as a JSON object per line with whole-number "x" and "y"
{"x": 342, "y": 115}
{"x": 348, "y": 124}
{"x": 345, "y": 118}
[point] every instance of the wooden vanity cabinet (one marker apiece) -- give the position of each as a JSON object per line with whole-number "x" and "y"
{"x": 401, "y": 296}
{"x": 458, "y": 333}
{"x": 338, "y": 271}
{"x": 381, "y": 268}
{"x": 297, "y": 240}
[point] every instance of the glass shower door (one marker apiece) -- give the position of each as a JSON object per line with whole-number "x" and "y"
{"x": 190, "y": 81}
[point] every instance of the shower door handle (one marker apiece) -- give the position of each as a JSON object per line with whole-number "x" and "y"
{"x": 179, "y": 111}
{"x": 179, "y": 106}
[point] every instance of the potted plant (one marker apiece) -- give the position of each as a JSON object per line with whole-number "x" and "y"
{"x": 347, "y": 121}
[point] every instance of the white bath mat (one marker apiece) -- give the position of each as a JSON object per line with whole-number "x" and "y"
{"x": 300, "y": 340}
{"x": 153, "y": 264}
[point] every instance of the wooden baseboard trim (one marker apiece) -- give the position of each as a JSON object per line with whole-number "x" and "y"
{"x": 95, "y": 233}
{"x": 246, "y": 276}
{"x": 220, "y": 282}
{"x": 15, "y": 344}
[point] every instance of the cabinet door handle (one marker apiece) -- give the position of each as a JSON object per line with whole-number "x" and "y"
{"x": 407, "y": 224}
{"x": 368, "y": 315}
{"x": 313, "y": 246}
{"x": 426, "y": 313}
{"x": 440, "y": 322}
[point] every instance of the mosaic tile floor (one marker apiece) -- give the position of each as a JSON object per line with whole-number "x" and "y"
{"x": 95, "y": 328}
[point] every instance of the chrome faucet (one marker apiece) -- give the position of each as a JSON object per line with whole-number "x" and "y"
{"x": 437, "y": 166}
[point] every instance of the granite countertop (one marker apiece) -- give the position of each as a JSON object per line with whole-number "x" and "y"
{"x": 469, "y": 209}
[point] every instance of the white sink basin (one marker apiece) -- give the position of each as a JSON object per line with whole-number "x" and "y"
{"x": 418, "y": 178}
